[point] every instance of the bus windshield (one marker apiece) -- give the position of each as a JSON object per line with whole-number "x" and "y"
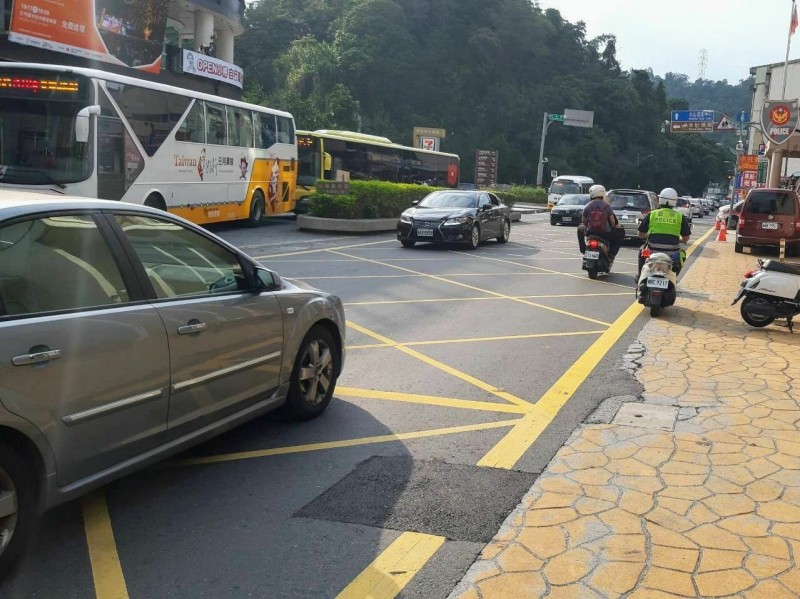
{"x": 37, "y": 128}
{"x": 563, "y": 187}
{"x": 308, "y": 160}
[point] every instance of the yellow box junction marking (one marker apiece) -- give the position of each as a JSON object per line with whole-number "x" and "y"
{"x": 429, "y": 400}
{"x": 109, "y": 581}
{"x": 391, "y": 571}
{"x": 514, "y": 445}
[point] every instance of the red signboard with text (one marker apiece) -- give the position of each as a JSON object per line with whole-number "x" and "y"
{"x": 123, "y": 32}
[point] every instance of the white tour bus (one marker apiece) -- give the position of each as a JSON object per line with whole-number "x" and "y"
{"x": 91, "y": 133}
{"x": 565, "y": 184}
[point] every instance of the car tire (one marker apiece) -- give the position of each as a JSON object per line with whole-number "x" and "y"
{"x": 738, "y": 248}
{"x": 256, "y": 209}
{"x": 505, "y": 233}
{"x": 552, "y": 223}
{"x": 314, "y": 375}
{"x": 474, "y": 237}
{"x": 18, "y": 511}
{"x": 407, "y": 243}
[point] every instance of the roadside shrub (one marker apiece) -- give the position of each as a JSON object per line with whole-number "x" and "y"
{"x": 383, "y": 199}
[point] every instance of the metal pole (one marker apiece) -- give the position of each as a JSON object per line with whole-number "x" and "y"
{"x": 540, "y": 169}
{"x": 786, "y": 62}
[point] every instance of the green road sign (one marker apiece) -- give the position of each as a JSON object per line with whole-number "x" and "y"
{"x": 555, "y": 117}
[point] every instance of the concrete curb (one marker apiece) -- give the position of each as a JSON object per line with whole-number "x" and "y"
{"x": 360, "y": 225}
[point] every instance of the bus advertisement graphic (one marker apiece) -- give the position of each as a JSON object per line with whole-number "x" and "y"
{"x": 123, "y": 32}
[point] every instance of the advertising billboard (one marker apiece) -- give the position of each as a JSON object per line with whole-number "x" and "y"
{"x": 122, "y": 32}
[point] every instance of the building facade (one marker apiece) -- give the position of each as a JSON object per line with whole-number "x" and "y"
{"x": 188, "y": 43}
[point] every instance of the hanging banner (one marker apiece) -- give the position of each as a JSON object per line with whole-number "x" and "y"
{"x": 122, "y": 32}
{"x": 212, "y": 68}
{"x": 779, "y": 119}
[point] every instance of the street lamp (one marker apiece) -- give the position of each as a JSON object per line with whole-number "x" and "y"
{"x": 640, "y": 158}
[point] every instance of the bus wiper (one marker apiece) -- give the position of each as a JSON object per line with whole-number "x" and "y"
{"x": 18, "y": 176}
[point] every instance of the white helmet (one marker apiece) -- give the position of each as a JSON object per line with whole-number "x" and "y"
{"x": 668, "y": 197}
{"x": 597, "y": 192}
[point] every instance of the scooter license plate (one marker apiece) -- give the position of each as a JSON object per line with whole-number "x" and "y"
{"x": 592, "y": 255}
{"x": 657, "y": 283}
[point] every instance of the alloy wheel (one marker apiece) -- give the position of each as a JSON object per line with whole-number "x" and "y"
{"x": 8, "y": 510}
{"x": 316, "y": 372}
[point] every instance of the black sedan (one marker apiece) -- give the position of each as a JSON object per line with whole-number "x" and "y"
{"x": 455, "y": 216}
{"x": 569, "y": 210}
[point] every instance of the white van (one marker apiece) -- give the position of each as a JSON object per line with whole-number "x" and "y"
{"x": 567, "y": 184}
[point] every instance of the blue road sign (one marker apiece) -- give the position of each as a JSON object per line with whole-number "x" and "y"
{"x": 739, "y": 179}
{"x": 692, "y": 116}
{"x": 744, "y": 117}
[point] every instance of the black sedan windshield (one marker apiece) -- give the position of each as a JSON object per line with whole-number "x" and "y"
{"x": 574, "y": 200}
{"x": 447, "y": 199}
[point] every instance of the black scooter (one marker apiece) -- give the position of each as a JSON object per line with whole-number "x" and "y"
{"x": 596, "y": 258}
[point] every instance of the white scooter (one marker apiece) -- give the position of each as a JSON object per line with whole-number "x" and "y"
{"x": 657, "y": 285}
{"x": 771, "y": 291}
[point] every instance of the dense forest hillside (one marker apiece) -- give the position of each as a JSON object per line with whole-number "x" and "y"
{"x": 486, "y": 72}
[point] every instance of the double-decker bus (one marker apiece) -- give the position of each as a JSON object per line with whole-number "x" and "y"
{"x": 92, "y": 133}
{"x": 324, "y": 154}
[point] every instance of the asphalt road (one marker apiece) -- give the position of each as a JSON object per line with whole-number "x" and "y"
{"x": 448, "y": 350}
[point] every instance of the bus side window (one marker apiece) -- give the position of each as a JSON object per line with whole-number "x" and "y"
{"x": 193, "y": 127}
{"x": 267, "y": 129}
{"x": 215, "y": 122}
{"x": 285, "y": 131}
{"x": 240, "y": 127}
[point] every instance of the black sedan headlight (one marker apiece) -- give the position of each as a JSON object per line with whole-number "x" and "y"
{"x": 458, "y": 220}
{"x": 406, "y": 218}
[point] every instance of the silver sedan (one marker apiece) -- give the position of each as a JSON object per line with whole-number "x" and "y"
{"x": 128, "y": 334}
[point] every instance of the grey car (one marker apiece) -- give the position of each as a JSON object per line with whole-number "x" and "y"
{"x": 631, "y": 206}
{"x": 128, "y": 334}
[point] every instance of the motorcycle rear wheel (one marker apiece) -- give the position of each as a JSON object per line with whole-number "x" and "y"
{"x": 593, "y": 273}
{"x": 752, "y": 319}
{"x": 655, "y": 311}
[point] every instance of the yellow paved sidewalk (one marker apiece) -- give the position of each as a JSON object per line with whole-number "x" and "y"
{"x": 693, "y": 493}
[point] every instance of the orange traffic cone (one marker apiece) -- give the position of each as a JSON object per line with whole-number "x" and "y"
{"x": 723, "y": 235}
{"x": 716, "y": 225}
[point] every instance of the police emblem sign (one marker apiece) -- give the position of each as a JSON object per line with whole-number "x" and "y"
{"x": 779, "y": 119}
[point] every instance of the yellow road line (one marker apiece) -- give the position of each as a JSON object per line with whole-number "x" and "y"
{"x": 325, "y": 249}
{"x": 477, "y": 339}
{"x": 430, "y": 400}
{"x": 480, "y": 299}
{"x": 519, "y": 439}
{"x": 441, "y": 366}
{"x": 473, "y": 288}
{"x": 391, "y": 571}
{"x": 109, "y": 581}
{"x": 262, "y": 453}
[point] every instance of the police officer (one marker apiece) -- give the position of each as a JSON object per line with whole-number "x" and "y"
{"x": 665, "y": 229}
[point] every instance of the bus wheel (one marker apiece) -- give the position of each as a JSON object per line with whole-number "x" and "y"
{"x": 155, "y": 201}
{"x": 256, "y": 209}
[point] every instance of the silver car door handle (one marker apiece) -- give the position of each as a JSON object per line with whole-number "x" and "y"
{"x": 188, "y": 329}
{"x": 36, "y": 358}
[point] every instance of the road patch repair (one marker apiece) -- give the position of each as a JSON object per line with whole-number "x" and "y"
{"x": 457, "y": 502}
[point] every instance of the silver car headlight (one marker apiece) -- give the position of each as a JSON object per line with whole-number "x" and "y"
{"x": 459, "y": 220}
{"x": 406, "y": 218}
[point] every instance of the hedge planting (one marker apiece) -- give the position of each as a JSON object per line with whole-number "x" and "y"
{"x": 382, "y": 199}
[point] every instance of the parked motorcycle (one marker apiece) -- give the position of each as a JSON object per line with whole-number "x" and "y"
{"x": 596, "y": 259}
{"x": 658, "y": 280}
{"x": 769, "y": 292}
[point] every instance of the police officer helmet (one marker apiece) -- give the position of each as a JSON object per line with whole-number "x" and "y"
{"x": 668, "y": 197}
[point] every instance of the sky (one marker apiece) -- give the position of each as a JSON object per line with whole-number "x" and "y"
{"x": 668, "y": 35}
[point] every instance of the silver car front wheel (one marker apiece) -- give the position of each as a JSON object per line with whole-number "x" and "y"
{"x": 314, "y": 375}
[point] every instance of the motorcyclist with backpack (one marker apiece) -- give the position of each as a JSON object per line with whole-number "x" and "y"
{"x": 666, "y": 228}
{"x": 599, "y": 220}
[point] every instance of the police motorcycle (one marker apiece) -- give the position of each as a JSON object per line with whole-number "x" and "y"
{"x": 596, "y": 258}
{"x": 771, "y": 291}
{"x": 657, "y": 287}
